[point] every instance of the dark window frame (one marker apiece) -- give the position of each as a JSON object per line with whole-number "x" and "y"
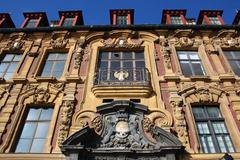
{"x": 190, "y": 62}
{"x": 210, "y": 121}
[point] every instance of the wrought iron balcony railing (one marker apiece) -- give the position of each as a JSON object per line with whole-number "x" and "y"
{"x": 122, "y": 77}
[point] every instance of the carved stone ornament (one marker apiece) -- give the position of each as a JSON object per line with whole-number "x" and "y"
{"x": 166, "y": 51}
{"x": 180, "y": 123}
{"x": 198, "y": 93}
{"x": 80, "y": 52}
{"x": 122, "y": 132}
{"x": 59, "y": 43}
{"x": 16, "y": 44}
{"x": 121, "y": 42}
{"x": 66, "y": 114}
{"x": 34, "y": 50}
{"x": 41, "y": 95}
{"x": 121, "y": 75}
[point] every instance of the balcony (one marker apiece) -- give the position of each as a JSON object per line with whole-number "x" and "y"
{"x": 122, "y": 82}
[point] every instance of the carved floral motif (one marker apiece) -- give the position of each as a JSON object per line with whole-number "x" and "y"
{"x": 58, "y": 43}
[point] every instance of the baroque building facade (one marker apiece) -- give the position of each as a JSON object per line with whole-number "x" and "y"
{"x": 120, "y": 91}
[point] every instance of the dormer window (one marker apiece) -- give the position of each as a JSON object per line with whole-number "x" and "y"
{"x": 6, "y": 21}
{"x": 31, "y": 23}
{"x": 68, "y": 22}
{"x": 237, "y": 19}
{"x": 121, "y": 20}
{"x": 176, "y": 20}
{"x": 174, "y": 17}
{"x": 70, "y": 18}
{"x": 210, "y": 17}
{"x": 35, "y": 19}
{"x": 121, "y": 17}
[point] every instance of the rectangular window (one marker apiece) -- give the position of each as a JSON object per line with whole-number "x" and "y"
{"x": 54, "y": 65}
{"x": 121, "y": 20}
{"x": 31, "y": 23}
{"x": 214, "y": 20}
{"x": 35, "y": 129}
{"x": 190, "y": 62}
{"x": 68, "y": 22}
{"x": 9, "y": 64}
{"x": 121, "y": 66}
{"x": 233, "y": 58}
{"x": 212, "y": 131}
{"x": 176, "y": 20}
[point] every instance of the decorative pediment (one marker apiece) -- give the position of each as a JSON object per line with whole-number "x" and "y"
{"x": 16, "y": 41}
{"x": 196, "y": 94}
{"x": 59, "y": 39}
{"x": 121, "y": 42}
{"x": 120, "y": 128}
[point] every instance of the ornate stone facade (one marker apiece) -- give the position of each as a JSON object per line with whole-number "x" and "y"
{"x": 76, "y": 100}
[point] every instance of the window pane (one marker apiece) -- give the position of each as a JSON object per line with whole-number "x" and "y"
{"x": 42, "y": 130}
{"x": 37, "y": 146}
{"x": 62, "y": 56}
{"x": 33, "y": 114}
{"x": 213, "y": 112}
{"x": 203, "y": 128}
{"x": 8, "y": 57}
{"x": 140, "y": 64}
{"x": 186, "y": 69}
{"x": 139, "y": 55}
{"x": 221, "y": 144}
{"x": 127, "y": 55}
{"x": 12, "y": 67}
{"x": 219, "y": 127}
{"x": 115, "y": 65}
{"x": 68, "y": 22}
{"x": 193, "y": 56}
{"x": 47, "y": 69}
{"x": 115, "y": 55}
{"x": 29, "y": 130}
{"x": 198, "y": 112}
{"x": 31, "y": 23}
{"x": 46, "y": 114}
{"x": 229, "y": 144}
{"x": 204, "y": 144}
{"x": 23, "y": 145}
{"x": 52, "y": 56}
{"x": 103, "y": 55}
{"x": 197, "y": 67}
{"x": 127, "y": 64}
{"x": 3, "y": 67}
{"x": 235, "y": 67}
{"x": 8, "y": 75}
{"x": 103, "y": 64}
{"x": 182, "y": 55}
{"x": 210, "y": 144}
{"x": 17, "y": 57}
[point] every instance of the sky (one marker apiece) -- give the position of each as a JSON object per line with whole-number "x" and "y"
{"x": 96, "y": 12}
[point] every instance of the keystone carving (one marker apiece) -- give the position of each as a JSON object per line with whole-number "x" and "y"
{"x": 59, "y": 40}
{"x": 121, "y": 42}
{"x": 41, "y": 95}
{"x": 66, "y": 114}
{"x": 16, "y": 41}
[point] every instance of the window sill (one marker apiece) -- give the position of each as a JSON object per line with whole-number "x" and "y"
{"x": 49, "y": 79}
{"x": 123, "y": 91}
